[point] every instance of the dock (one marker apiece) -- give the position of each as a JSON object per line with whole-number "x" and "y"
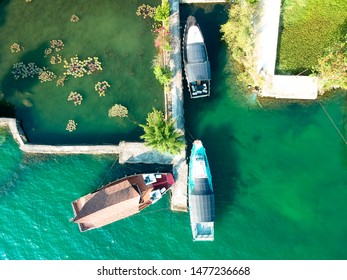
{"x": 266, "y": 30}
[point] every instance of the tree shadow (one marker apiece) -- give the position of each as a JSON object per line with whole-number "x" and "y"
{"x": 343, "y": 28}
{"x": 279, "y": 42}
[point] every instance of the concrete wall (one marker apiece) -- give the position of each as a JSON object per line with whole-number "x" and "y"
{"x": 266, "y": 29}
{"x": 135, "y": 152}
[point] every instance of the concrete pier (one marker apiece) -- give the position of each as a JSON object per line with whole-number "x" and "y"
{"x": 266, "y": 29}
{"x": 129, "y": 152}
{"x": 179, "y": 201}
{"x": 134, "y": 152}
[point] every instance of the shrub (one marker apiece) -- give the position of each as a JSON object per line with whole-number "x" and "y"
{"x": 162, "y": 12}
{"x": 237, "y": 33}
{"x": 161, "y": 135}
{"x": 162, "y": 74}
{"x": 332, "y": 67}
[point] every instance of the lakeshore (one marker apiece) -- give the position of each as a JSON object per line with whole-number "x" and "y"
{"x": 261, "y": 212}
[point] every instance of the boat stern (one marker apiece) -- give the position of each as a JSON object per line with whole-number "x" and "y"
{"x": 203, "y": 231}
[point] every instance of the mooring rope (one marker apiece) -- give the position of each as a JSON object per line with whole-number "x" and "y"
{"x": 191, "y": 136}
{"x": 108, "y": 172}
{"x": 326, "y": 112}
{"x": 150, "y": 212}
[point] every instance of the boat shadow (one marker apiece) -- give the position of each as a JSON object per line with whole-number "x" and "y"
{"x": 220, "y": 145}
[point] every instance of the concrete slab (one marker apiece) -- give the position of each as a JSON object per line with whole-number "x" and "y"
{"x": 291, "y": 87}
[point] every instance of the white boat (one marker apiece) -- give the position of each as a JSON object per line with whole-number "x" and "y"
{"x": 196, "y": 64}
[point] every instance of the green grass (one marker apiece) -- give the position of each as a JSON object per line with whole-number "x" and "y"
{"x": 308, "y": 27}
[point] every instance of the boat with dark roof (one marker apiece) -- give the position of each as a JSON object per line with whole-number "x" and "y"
{"x": 200, "y": 194}
{"x": 120, "y": 199}
{"x": 196, "y": 64}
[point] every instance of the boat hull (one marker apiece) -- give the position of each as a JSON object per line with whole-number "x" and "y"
{"x": 200, "y": 195}
{"x": 196, "y": 64}
{"x": 120, "y": 199}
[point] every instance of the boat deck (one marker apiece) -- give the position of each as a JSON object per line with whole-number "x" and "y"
{"x": 120, "y": 199}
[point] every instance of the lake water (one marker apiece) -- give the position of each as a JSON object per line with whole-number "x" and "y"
{"x": 125, "y": 51}
{"x": 279, "y": 175}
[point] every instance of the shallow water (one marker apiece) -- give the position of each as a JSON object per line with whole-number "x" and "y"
{"x": 125, "y": 50}
{"x": 279, "y": 176}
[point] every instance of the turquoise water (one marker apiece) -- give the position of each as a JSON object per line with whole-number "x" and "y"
{"x": 279, "y": 176}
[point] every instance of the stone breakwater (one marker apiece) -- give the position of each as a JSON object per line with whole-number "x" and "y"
{"x": 133, "y": 152}
{"x": 129, "y": 152}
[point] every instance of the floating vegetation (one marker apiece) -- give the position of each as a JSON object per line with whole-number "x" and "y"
{"x": 77, "y": 68}
{"x": 48, "y": 51}
{"x": 93, "y": 65}
{"x": 71, "y": 126}
{"x": 101, "y": 87}
{"x": 74, "y": 18}
{"x": 56, "y": 59}
{"x": 57, "y": 45}
{"x": 21, "y": 70}
{"x": 27, "y": 1}
{"x": 46, "y": 76}
{"x": 15, "y": 48}
{"x": 118, "y": 110}
{"x": 61, "y": 80}
{"x": 75, "y": 97}
{"x": 145, "y": 11}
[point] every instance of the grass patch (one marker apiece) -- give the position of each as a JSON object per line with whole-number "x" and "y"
{"x": 308, "y": 28}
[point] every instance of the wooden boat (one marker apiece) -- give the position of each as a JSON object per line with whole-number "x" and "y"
{"x": 120, "y": 199}
{"x": 196, "y": 64}
{"x": 200, "y": 195}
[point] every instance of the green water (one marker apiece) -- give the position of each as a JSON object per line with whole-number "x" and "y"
{"x": 279, "y": 176}
{"x": 125, "y": 51}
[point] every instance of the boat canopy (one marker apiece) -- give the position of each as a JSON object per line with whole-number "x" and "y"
{"x": 197, "y": 66}
{"x": 110, "y": 204}
{"x": 201, "y": 200}
{"x": 196, "y": 53}
{"x": 198, "y": 71}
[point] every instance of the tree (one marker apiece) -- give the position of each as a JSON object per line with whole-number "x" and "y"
{"x": 238, "y": 34}
{"x": 162, "y": 74}
{"x": 162, "y": 12}
{"x": 161, "y": 135}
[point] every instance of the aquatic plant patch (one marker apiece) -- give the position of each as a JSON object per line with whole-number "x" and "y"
{"x": 93, "y": 49}
{"x": 118, "y": 110}
{"x": 308, "y": 28}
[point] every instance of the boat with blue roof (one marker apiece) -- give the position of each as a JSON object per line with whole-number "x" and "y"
{"x": 200, "y": 194}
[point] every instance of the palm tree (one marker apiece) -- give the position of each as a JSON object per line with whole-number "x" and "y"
{"x": 161, "y": 135}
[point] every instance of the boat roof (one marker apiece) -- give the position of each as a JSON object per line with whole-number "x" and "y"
{"x": 198, "y": 71}
{"x": 196, "y": 53}
{"x": 109, "y": 204}
{"x": 201, "y": 202}
{"x": 201, "y": 197}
